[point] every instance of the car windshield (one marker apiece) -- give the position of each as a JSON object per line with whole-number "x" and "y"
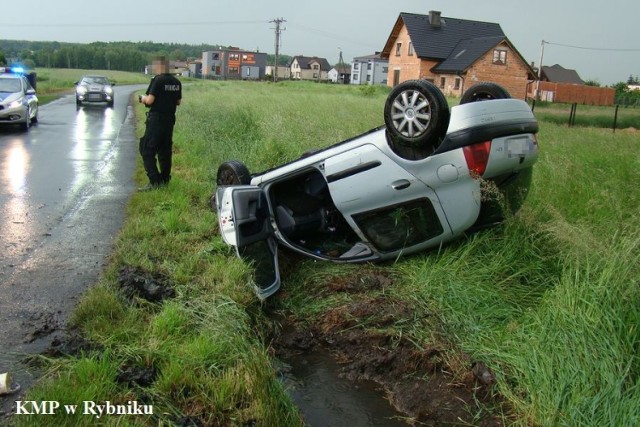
{"x": 10, "y": 85}
{"x": 95, "y": 80}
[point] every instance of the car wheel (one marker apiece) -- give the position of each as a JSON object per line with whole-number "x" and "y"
{"x": 416, "y": 115}
{"x": 27, "y": 123}
{"x": 233, "y": 172}
{"x": 35, "y": 118}
{"x": 484, "y": 91}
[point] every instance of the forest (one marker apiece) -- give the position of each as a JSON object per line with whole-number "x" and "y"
{"x": 122, "y": 56}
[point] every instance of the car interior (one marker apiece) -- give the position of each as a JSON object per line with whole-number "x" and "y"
{"x": 308, "y": 218}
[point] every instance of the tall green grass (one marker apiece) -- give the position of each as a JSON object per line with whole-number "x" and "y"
{"x": 549, "y": 300}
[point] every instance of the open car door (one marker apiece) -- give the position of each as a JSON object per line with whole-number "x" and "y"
{"x": 245, "y": 222}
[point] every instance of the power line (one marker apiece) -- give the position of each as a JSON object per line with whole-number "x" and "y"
{"x": 591, "y": 48}
{"x": 132, "y": 24}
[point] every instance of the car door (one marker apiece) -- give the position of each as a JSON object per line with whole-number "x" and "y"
{"x": 364, "y": 180}
{"x": 245, "y": 222}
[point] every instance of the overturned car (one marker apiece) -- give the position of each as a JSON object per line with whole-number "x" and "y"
{"x": 427, "y": 176}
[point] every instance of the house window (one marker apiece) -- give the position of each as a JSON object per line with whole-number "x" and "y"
{"x": 356, "y": 66}
{"x": 356, "y": 77}
{"x": 398, "y": 48}
{"x": 368, "y": 77}
{"x": 234, "y": 57}
{"x": 385, "y": 70}
{"x": 396, "y": 77}
{"x": 500, "y": 57}
{"x": 411, "y": 51}
{"x": 234, "y": 70}
{"x": 443, "y": 82}
{"x": 456, "y": 86}
{"x": 369, "y": 65}
{"x": 315, "y": 75}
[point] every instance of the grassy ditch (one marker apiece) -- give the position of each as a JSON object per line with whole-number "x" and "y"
{"x": 549, "y": 302}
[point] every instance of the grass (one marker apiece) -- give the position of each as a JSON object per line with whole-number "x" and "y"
{"x": 550, "y": 301}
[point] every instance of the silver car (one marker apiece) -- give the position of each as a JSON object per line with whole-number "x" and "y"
{"x": 94, "y": 89}
{"x": 427, "y": 176}
{"x": 18, "y": 100}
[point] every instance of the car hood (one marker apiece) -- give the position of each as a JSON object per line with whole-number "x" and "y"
{"x": 7, "y": 97}
{"x": 95, "y": 87}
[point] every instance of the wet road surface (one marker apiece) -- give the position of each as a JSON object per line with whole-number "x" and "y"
{"x": 64, "y": 186}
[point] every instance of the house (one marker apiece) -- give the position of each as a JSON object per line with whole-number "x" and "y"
{"x": 454, "y": 54}
{"x": 309, "y": 68}
{"x": 559, "y": 74}
{"x": 559, "y": 84}
{"x": 284, "y": 72}
{"x": 233, "y": 63}
{"x": 369, "y": 70}
{"x": 340, "y": 73}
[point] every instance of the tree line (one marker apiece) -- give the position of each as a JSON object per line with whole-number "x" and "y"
{"x": 122, "y": 56}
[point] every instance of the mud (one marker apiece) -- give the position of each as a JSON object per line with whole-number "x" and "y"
{"x": 418, "y": 382}
{"x": 137, "y": 283}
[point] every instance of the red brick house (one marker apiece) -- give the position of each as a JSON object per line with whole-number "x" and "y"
{"x": 454, "y": 54}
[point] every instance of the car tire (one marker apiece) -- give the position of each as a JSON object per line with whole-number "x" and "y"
{"x": 35, "y": 118}
{"x": 233, "y": 172}
{"x": 416, "y": 115}
{"x": 484, "y": 91}
{"x": 27, "y": 123}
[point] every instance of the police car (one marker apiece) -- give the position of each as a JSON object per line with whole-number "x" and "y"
{"x": 18, "y": 100}
{"x": 428, "y": 176}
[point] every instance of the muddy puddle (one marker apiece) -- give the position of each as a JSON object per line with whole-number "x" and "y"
{"x": 345, "y": 373}
{"x": 326, "y": 398}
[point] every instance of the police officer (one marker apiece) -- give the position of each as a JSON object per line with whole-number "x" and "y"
{"x": 163, "y": 95}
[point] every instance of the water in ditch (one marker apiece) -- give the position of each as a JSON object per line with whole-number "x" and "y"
{"x": 327, "y": 400}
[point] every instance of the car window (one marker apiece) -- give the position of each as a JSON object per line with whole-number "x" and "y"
{"x": 10, "y": 85}
{"x": 95, "y": 80}
{"x": 400, "y": 226}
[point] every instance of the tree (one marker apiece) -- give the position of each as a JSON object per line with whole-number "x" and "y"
{"x": 3, "y": 60}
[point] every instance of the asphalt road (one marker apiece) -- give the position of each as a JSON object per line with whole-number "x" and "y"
{"x": 64, "y": 186}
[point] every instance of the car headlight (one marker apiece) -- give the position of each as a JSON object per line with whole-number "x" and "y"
{"x": 108, "y": 90}
{"x": 16, "y": 103}
{"x": 81, "y": 90}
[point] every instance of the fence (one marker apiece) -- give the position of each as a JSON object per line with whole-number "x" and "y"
{"x": 573, "y": 114}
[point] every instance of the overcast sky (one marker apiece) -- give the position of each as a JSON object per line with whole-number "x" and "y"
{"x": 599, "y": 43}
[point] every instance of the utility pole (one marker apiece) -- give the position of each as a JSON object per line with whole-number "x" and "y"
{"x": 341, "y": 66}
{"x": 537, "y": 95}
{"x": 278, "y": 31}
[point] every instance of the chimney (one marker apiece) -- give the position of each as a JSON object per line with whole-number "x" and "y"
{"x": 434, "y": 18}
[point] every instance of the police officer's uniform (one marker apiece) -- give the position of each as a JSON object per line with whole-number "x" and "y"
{"x": 158, "y": 136}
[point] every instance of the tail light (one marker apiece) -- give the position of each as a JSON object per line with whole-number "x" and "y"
{"x": 477, "y": 156}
